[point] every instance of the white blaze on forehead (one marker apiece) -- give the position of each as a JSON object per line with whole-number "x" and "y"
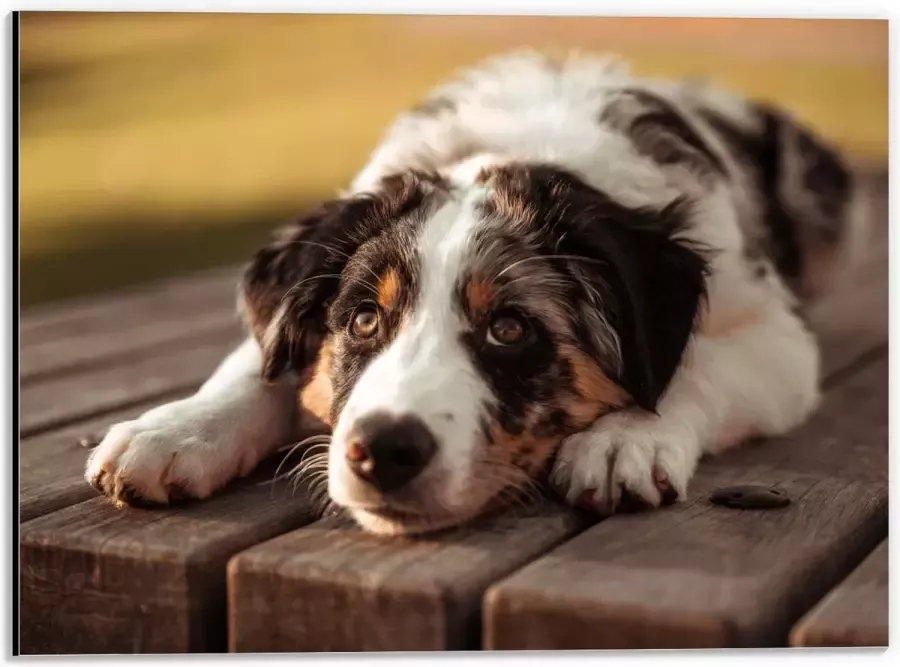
{"x": 426, "y": 371}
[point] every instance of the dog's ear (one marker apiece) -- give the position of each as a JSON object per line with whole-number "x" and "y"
{"x": 286, "y": 286}
{"x": 642, "y": 281}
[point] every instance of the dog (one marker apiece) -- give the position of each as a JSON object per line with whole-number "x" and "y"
{"x": 548, "y": 267}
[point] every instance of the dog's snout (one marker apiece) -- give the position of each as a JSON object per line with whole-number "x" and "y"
{"x": 388, "y": 451}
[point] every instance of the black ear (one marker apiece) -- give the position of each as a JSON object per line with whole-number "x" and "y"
{"x": 650, "y": 283}
{"x": 286, "y": 286}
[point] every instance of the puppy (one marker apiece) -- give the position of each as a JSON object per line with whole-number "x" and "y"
{"x": 546, "y": 257}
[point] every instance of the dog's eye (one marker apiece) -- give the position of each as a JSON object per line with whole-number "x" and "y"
{"x": 365, "y": 321}
{"x": 507, "y": 329}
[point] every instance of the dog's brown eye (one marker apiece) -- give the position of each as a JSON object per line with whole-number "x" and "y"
{"x": 507, "y": 330}
{"x": 365, "y": 322}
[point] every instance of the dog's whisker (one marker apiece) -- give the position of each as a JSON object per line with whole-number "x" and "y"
{"x": 511, "y": 478}
{"x": 312, "y": 441}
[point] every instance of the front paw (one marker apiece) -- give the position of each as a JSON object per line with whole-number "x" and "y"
{"x": 163, "y": 456}
{"x": 625, "y": 456}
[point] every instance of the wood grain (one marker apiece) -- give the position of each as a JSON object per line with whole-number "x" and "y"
{"x": 169, "y": 300}
{"x": 330, "y": 587}
{"x": 855, "y": 613}
{"x": 127, "y": 326}
{"x": 700, "y": 575}
{"x": 70, "y": 355}
{"x": 59, "y": 401}
{"x": 95, "y": 579}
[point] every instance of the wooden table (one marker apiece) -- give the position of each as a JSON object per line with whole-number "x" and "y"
{"x": 255, "y": 570}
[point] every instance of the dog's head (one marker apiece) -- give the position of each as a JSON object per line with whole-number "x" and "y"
{"x": 463, "y": 327}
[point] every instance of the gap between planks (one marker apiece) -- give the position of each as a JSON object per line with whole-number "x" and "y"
{"x": 96, "y": 579}
{"x": 855, "y": 613}
{"x": 59, "y": 402}
{"x": 103, "y": 332}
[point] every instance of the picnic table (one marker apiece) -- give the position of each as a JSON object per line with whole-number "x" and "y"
{"x": 256, "y": 569}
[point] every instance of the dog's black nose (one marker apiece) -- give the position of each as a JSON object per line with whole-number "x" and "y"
{"x": 387, "y": 451}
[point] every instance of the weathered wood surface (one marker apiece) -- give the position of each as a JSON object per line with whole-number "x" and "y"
{"x": 167, "y": 300}
{"x": 700, "y": 575}
{"x": 95, "y": 579}
{"x": 853, "y": 614}
{"x": 74, "y": 337}
{"x": 114, "y": 356}
{"x": 58, "y": 402}
{"x": 72, "y": 354}
{"x": 331, "y": 587}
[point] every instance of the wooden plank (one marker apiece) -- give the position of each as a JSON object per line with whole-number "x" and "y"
{"x": 169, "y": 299}
{"x": 56, "y": 402}
{"x": 71, "y": 354}
{"x": 51, "y": 465}
{"x": 700, "y": 575}
{"x": 331, "y": 587}
{"x": 95, "y": 579}
{"x": 853, "y": 614}
{"x": 72, "y": 338}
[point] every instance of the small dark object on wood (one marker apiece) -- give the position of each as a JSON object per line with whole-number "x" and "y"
{"x": 749, "y": 497}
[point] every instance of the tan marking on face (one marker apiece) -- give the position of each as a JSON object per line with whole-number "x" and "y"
{"x": 534, "y": 457}
{"x": 389, "y": 289}
{"x": 515, "y": 460}
{"x": 524, "y": 456}
{"x": 479, "y": 296}
{"x": 597, "y": 393}
{"x": 316, "y": 397}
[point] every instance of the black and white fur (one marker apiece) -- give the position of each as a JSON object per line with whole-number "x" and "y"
{"x": 660, "y": 236}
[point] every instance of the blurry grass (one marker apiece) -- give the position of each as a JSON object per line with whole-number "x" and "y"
{"x": 157, "y": 143}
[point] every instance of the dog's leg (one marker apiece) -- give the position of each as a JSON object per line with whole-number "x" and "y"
{"x": 759, "y": 380}
{"x": 191, "y": 447}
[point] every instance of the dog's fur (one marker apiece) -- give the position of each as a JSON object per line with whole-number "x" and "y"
{"x": 648, "y": 245}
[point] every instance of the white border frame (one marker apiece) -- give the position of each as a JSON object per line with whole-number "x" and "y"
{"x": 694, "y": 8}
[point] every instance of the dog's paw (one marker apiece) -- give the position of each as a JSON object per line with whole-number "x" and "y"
{"x": 175, "y": 452}
{"x": 624, "y": 459}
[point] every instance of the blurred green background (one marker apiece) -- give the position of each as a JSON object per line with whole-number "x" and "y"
{"x": 153, "y": 144}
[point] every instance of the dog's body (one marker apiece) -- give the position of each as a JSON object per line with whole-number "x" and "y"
{"x": 544, "y": 253}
